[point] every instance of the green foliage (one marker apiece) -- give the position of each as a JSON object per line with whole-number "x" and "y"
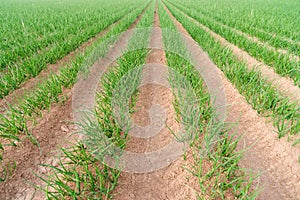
{"x": 213, "y": 146}
{"x": 40, "y": 33}
{"x": 262, "y": 95}
{"x": 281, "y": 63}
{"x": 14, "y": 122}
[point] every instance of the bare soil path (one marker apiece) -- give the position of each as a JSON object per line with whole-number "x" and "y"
{"x": 275, "y": 159}
{"x": 173, "y": 181}
{"x": 51, "y": 132}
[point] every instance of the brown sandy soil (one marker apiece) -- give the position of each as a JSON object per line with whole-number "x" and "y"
{"x": 284, "y": 85}
{"x": 173, "y": 181}
{"x": 29, "y": 85}
{"x": 274, "y": 158}
{"x": 51, "y": 132}
{"x": 55, "y": 129}
{"x": 149, "y": 95}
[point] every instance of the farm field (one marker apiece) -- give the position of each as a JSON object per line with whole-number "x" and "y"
{"x": 149, "y": 99}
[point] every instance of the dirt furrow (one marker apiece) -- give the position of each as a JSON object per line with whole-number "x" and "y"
{"x": 52, "y": 131}
{"x": 275, "y": 159}
{"x": 173, "y": 181}
{"x": 284, "y": 85}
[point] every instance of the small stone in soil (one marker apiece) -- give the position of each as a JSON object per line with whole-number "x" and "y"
{"x": 64, "y": 128}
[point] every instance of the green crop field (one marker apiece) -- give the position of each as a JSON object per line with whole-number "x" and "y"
{"x": 149, "y": 99}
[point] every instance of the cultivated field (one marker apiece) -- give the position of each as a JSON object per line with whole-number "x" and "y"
{"x": 149, "y": 99}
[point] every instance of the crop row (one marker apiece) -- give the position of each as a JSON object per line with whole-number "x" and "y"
{"x": 219, "y": 187}
{"x": 280, "y": 62}
{"x": 15, "y": 75}
{"x": 30, "y": 30}
{"x": 14, "y": 121}
{"x": 97, "y": 180}
{"x": 261, "y": 95}
{"x": 252, "y": 16}
{"x": 30, "y": 48}
{"x": 26, "y": 48}
{"x": 249, "y": 30}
